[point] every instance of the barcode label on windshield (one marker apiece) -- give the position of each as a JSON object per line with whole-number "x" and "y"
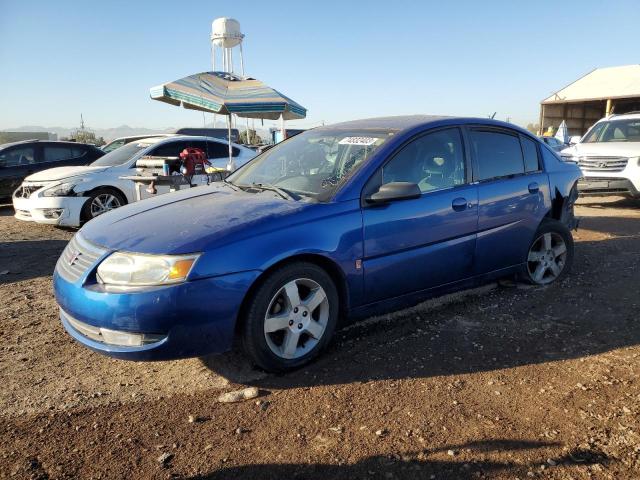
{"x": 366, "y": 141}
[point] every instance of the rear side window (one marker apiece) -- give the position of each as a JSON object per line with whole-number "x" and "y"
{"x": 56, "y": 153}
{"x": 530, "y": 152}
{"x": 497, "y": 154}
{"x": 78, "y": 152}
{"x": 221, "y": 150}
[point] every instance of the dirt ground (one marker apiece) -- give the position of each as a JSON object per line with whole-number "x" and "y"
{"x": 503, "y": 381}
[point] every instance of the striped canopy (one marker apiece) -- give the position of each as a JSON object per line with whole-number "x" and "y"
{"x": 226, "y": 94}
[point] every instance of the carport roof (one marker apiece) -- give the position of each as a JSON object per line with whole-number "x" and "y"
{"x": 601, "y": 84}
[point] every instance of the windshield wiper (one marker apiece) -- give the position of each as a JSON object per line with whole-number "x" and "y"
{"x": 286, "y": 194}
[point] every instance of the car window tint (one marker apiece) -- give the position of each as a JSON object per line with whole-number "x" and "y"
{"x": 530, "y": 151}
{"x": 77, "y": 152}
{"x": 15, "y": 157}
{"x": 56, "y": 153}
{"x": 433, "y": 162}
{"x": 497, "y": 154}
{"x": 221, "y": 150}
{"x": 170, "y": 149}
{"x": 201, "y": 144}
{"x": 217, "y": 150}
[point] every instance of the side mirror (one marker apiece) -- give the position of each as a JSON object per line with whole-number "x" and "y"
{"x": 393, "y": 191}
{"x": 575, "y": 139}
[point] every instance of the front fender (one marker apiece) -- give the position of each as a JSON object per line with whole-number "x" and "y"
{"x": 125, "y": 186}
{"x": 335, "y": 235}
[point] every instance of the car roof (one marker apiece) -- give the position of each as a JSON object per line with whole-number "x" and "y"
{"x": 623, "y": 116}
{"x": 55, "y": 142}
{"x": 177, "y": 137}
{"x": 408, "y": 122}
{"x": 135, "y": 137}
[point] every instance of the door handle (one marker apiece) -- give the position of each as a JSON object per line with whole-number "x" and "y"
{"x": 459, "y": 204}
{"x": 534, "y": 187}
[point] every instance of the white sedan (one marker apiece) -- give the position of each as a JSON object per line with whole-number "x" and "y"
{"x": 70, "y": 196}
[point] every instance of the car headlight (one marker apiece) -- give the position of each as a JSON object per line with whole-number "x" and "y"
{"x": 133, "y": 269}
{"x": 60, "y": 190}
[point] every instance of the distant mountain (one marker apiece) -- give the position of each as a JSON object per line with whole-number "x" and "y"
{"x": 106, "y": 133}
{"x": 124, "y": 130}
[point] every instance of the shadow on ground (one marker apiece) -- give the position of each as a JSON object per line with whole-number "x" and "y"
{"x": 24, "y": 260}
{"x": 586, "y": 314}
{"x": 623, "y": 203}
{"x": 418, "y": 465}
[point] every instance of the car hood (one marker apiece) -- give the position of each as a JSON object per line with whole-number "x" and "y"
{"x": 61, "y": 173}
{"x": 192, "y": 220}
{"x": 605, "y": 149}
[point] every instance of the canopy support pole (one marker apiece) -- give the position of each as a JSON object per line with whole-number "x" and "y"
{"x": 230, "y": 166}
{"x": 283, "y": 131}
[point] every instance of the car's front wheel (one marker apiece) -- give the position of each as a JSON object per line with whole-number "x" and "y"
{"x": 551, "y": 253}
{"x": 291, "y": 317}
{"x": 101, "y": 201}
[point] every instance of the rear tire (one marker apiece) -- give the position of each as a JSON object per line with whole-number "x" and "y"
{"x": 290, "y": 318}
{"x": 101, "y": 201}
{"x": 550, "y": 255}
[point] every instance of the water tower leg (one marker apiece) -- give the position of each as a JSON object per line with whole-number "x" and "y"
{"x": 241, "y": 60}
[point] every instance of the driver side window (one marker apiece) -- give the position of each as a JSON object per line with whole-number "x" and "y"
{"x": 434, "y": 161}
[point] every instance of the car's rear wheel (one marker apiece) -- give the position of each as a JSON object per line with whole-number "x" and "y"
{"x": 101, "y": 201}
{"x": 551, "y": 253}
{"x": 291, "y": 317}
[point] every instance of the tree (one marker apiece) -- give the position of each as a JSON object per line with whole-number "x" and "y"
{"x": 254, "y": 138}
{"x": 534, "y": 128}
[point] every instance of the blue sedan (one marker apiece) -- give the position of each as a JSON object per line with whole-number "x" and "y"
{"x": 339, "y": 221}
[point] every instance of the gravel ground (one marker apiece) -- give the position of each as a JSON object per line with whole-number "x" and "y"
{"x": 503, "y": 381}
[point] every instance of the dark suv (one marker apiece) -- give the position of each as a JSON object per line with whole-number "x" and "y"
{"x": 20, "y": 159}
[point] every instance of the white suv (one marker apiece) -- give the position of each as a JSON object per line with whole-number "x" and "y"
{"x": 609, "y": 156}
{"x": 70, "y": 196}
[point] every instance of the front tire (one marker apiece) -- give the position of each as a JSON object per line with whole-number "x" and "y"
{"x": 550, "y": 255}
{"x": 290, "y": 318}
{"x": 101, "y": 201}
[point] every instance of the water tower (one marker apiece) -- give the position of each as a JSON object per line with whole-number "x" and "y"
{"x": 226, "y": 35}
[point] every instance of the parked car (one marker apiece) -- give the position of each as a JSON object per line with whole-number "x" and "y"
{"x": 342, "y": 220}
{"x": 554, "y": 143}
{"x": 609, "y": 156}
{"x": 20, "y": 159}
{"x": 119, "y": 142}
{"x": 222, "y": 133}
{"x": 71, "y": 196}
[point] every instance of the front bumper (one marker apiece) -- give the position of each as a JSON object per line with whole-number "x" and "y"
{"x": 189, "y": 319}
{"x": 63, "y": 211}
{"x": 602, "y": 186}
{"x": 603, "y": 182}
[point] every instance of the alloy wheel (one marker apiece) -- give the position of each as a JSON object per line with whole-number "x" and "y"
{"x": 547, "y": 258}
{"x": 103, "y": 203}
{"x": 296, "y": 318}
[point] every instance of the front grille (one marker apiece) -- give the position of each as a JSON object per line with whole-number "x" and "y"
{"x": 77, "y": 258}
{"x": 602, "y": 164}
{"x": 25, "y": 191}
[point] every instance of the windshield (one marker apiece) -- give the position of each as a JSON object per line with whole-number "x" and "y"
{"x": 112, "y": 146}
{"x": 312, "y": 164}
{"x": 614, "y": 131}
{"x": 119, "y": 155}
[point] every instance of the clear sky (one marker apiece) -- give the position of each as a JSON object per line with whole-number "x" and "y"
{"x": 340, "y": 59}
